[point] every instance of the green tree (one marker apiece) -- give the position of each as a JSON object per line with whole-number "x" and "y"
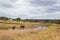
{"x": 4, "y": 18}
{"x": 18, "y": 19}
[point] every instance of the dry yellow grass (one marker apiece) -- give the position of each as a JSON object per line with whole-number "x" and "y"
{"x": 17, "y": 24}
{"x": 29, "y": 34}
{"x": 44, "y": 34}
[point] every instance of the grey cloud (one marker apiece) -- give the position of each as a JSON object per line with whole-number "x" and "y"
{"x": 5, "y": 5}
{"x": 5, "y": 14}
{"x": 51, "y": 16}
{"x": 13, "y": 0}
{"x": 43, "y": 2}
{"x": 35, "y": 11}
{"x": 46, "y": 16}
{"x": 23, "y": 16}
{"x": 53, "y": 9}
{"x": 30, "y": 9}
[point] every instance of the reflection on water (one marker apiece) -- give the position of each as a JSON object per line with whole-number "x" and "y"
{"x": 36, "y": 28}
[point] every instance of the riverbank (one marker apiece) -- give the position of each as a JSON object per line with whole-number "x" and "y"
{"x": 17, "y": 26}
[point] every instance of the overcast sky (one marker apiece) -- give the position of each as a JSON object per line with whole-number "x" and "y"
{"x": 37, "y": 9}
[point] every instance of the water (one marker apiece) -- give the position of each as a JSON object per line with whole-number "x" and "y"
{"x": 36, "y": 28}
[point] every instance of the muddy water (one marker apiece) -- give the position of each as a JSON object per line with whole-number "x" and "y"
{"x": 36, "y": 28}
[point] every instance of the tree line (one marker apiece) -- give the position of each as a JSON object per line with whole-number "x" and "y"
{"x": 6, "y": 18}
{"x": 30, "y": 20}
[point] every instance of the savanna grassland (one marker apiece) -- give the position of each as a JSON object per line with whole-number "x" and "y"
{"x": 52, "y": 32}
{"x": 7, "y": 24}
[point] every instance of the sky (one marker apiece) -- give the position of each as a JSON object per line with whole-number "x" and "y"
{"x": 30, "y": 9}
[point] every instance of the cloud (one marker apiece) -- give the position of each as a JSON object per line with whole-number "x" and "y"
{"x": 5, "y": 14}
{"x": 43, "y": 2}
{"x": 30, "y": 8}
{"x": 54, "y": 9}
{"x": 52, "y": 16}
